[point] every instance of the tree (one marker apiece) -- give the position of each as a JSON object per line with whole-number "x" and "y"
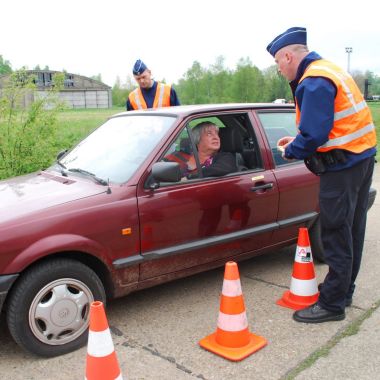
{"x": 275, "y": 86}
{"x": 191, "y": 88}
{"x": 121, "y": 91}
{"x": 97, "y": 77}
{"x": 220, "y": 82}
{"x": 217, "y": 84}
{"x": 374, "y": 80}
{"x": 117, "y": 93}
{"x": 359, "y": 78}
{"x": 247, "y": 82}
{"x": 5, "y": 66}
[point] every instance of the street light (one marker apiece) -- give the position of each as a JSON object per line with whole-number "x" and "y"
{"x": 348, "y": 51}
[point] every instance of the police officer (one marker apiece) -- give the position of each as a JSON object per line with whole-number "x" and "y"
{"x": 337, "y": 140}
{"x": 149, "y": 94}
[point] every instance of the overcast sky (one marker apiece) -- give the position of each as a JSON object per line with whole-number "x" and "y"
{"x": 89, "y": 37}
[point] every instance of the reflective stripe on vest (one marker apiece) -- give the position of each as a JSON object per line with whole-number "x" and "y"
{"x": 160, "y": 93}
{"x": 161, "y": 99}
{"x": 137, "y": 100}
{"x": 353, "y": 128}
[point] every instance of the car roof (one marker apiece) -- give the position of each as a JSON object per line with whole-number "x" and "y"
{"x": 193, "y": 109}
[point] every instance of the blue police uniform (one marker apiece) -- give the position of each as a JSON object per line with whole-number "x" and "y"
{"x": 344, "y": 187}
{"x": 150, "y": 93}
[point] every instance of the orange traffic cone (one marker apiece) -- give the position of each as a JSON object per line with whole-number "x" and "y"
{"x": 303, "y": 287}
{"x": 101, "y": 357}
{"x": 232, "y": 339}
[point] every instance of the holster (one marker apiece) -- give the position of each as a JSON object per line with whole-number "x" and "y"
{"x": 318, "y": 162}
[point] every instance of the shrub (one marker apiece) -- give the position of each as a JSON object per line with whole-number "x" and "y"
{"x": 27, "y": 131}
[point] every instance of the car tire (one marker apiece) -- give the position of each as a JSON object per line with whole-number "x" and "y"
{"x": 316, "y": 241}
{"x": 48, "y": 309}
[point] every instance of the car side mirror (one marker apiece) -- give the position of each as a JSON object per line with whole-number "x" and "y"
{"x": 166, "y": 172}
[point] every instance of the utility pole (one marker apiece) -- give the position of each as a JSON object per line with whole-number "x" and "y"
{"x": 348, "y": 51}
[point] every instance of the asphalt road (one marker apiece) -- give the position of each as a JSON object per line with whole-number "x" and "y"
{"x": 156, "y": 331}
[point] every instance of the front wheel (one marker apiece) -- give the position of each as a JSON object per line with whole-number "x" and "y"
{"x": 48, "y": 309}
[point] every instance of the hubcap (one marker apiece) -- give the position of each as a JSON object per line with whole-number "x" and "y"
{"x": 59, "y": 312}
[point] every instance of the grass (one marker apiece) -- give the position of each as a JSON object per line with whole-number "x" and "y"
{"x": 375, "y": 109}
{"x": 73, "y": 125}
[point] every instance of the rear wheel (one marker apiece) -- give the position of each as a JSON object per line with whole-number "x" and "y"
{"x": 48, "y": 309}
{"x": 316, "y": 241}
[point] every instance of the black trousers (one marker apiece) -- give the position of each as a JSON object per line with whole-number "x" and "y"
{"x": 343, "y": 201}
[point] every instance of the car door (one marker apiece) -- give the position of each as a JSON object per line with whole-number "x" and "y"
{"x": 196, "y": 222}
{"x": 298, "y": 187}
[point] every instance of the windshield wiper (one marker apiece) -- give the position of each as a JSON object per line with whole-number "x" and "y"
{"x": 63, "y": 168}
{"x": 85, "y": 172}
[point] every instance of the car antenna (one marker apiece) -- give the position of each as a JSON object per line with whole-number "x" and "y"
{"x": 109, "y": 188}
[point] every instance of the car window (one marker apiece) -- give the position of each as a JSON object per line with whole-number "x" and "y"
{"x": 238, "y": 148}
{"x": 277, "y": 125}
{"x": 180, "y": 151}
{"x": 116, "y": 149}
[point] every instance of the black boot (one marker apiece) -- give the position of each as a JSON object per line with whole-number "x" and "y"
{"x": 316, "y": 314}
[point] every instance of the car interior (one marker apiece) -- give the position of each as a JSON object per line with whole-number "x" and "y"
{"x": 236, "y": 137}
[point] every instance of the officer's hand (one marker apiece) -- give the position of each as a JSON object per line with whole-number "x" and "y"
{"x": 283, "y": 142}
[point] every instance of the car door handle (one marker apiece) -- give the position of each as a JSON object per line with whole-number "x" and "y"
{"x": 262, "y": 187}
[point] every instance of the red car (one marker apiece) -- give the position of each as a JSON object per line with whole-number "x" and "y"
{"x": 113, "y": 215}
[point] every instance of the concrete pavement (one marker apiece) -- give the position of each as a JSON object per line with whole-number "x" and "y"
{"x": 156, "y": 331}
{"x": 355, "y": 354}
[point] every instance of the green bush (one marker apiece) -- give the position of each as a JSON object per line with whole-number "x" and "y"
{"x": 27, "y": 131}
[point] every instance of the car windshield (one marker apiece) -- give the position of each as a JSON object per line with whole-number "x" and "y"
{"x": 116, "y": 149}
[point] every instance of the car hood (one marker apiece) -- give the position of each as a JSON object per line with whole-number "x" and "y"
{"x": 37, "y": 191}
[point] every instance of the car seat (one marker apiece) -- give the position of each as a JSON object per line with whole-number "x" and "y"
{"x": 232, "y": 141}
{"x": 185, "y": 145}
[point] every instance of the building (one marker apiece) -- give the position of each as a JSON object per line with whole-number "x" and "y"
{"x": 78, "y": 91}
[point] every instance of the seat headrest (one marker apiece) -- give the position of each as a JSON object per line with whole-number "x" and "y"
{"x": 185, "y": 145}
{"x": 231, "y": 140}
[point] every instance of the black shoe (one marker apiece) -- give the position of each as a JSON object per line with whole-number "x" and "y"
{"x": 316, "y": 314}
{"x": 348, "y": 300}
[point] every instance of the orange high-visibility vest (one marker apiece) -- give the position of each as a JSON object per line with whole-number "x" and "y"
{"x": 353, "y": 128}
{"x": 161, "y": 99}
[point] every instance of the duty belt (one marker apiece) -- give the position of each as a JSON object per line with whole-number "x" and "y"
{"x": 318, "y": 162}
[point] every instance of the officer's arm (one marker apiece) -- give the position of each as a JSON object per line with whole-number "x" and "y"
{"x": 316, "y": 97}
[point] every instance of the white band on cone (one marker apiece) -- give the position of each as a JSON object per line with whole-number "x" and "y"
{"x": 100, "y": 343}
{"x": 232, "y": 322}
{"x": 303, "y": 287}
{"x": 231, "y": 288}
